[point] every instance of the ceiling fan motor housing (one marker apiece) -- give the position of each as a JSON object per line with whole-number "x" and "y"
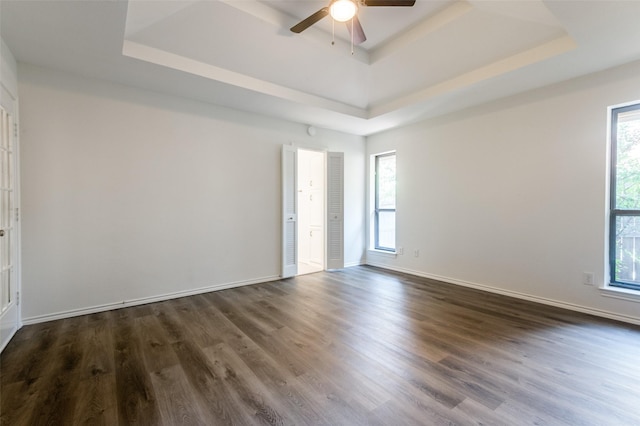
{"x": 343, "y": 10}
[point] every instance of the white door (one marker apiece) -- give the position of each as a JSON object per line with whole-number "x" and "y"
{"x": 8, "y": 231}
{"x": 335, "y": 210}
{"x": 289, "y": 212}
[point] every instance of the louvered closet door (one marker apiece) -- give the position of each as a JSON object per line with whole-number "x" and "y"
{"x": 289, "y": 212}
{"x": 335, "y": 210}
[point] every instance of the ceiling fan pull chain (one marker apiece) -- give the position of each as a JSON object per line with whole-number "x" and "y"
{"x": 333, "y": 32}
{"x": 352, "y": 36}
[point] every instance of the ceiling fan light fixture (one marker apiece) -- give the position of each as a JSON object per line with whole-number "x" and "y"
{"x": 343, "y": 10}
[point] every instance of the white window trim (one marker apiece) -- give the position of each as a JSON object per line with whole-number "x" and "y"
{"x": 608, "y": 289}
{"x": 372, "y": 205}
{"x": 383, "y": 253}
{"x": 620, "y": 293}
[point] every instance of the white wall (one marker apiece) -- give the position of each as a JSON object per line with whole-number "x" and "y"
{"x": 512, "y": 195}
{"x": 129, "y": 194}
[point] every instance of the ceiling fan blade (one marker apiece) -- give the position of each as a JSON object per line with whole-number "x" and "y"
{"x": 389, "y": 2}
{"x": 306, "y": 23}
{"x": 358, "y": 32}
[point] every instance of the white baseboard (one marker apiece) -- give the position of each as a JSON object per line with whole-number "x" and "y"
{"x": 510, "y": 293}
{"x": 216, "y": 287}
{"x": 142, "y": 301}
{"x": 151, "y": 299}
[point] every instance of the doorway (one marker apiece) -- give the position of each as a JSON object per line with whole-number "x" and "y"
{"x": 311, "y": 211}
{"x": 332, "y": 221}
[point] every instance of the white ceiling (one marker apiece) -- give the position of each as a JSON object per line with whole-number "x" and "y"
{"x": 436, "y": 57}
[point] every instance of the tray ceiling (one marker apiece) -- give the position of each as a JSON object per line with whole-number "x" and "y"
{"x": 418, "y": 62}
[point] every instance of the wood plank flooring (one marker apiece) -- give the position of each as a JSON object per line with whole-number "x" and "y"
{"x": 361, "y": 346}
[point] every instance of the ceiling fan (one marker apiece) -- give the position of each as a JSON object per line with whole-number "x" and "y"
{"x": 345, "y": 11}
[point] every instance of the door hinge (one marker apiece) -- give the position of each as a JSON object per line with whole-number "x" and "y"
{"x": 15, "y": 130}
{"x": 17, "y": 214}
{"x": 17, "y": 298}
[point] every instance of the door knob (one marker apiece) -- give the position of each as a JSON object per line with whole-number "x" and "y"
{"x": 1, "y": 232}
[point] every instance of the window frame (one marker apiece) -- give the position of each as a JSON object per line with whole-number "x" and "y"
{"x": 614, "y": 212}
{"x": 376, "y": 208}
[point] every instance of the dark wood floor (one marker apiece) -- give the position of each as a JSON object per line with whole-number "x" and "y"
{"x": 359, "y": 346}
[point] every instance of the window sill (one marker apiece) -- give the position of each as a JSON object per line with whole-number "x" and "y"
{"x": 620, "y": 293}
{"x": 383, "y": 253}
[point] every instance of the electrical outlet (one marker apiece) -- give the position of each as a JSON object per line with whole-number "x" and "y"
{"x": 400, "y": 250}
{"x": 587, "y": 278}
{"x": 416, "y": 253}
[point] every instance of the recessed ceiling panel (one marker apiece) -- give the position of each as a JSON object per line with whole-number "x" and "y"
{"x": 418, "y": 62}
{"x": 418, "y": 47}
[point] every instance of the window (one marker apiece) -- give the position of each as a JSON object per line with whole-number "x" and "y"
{"x": 384, "y": 228}
{"x": 624, "y": 226}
